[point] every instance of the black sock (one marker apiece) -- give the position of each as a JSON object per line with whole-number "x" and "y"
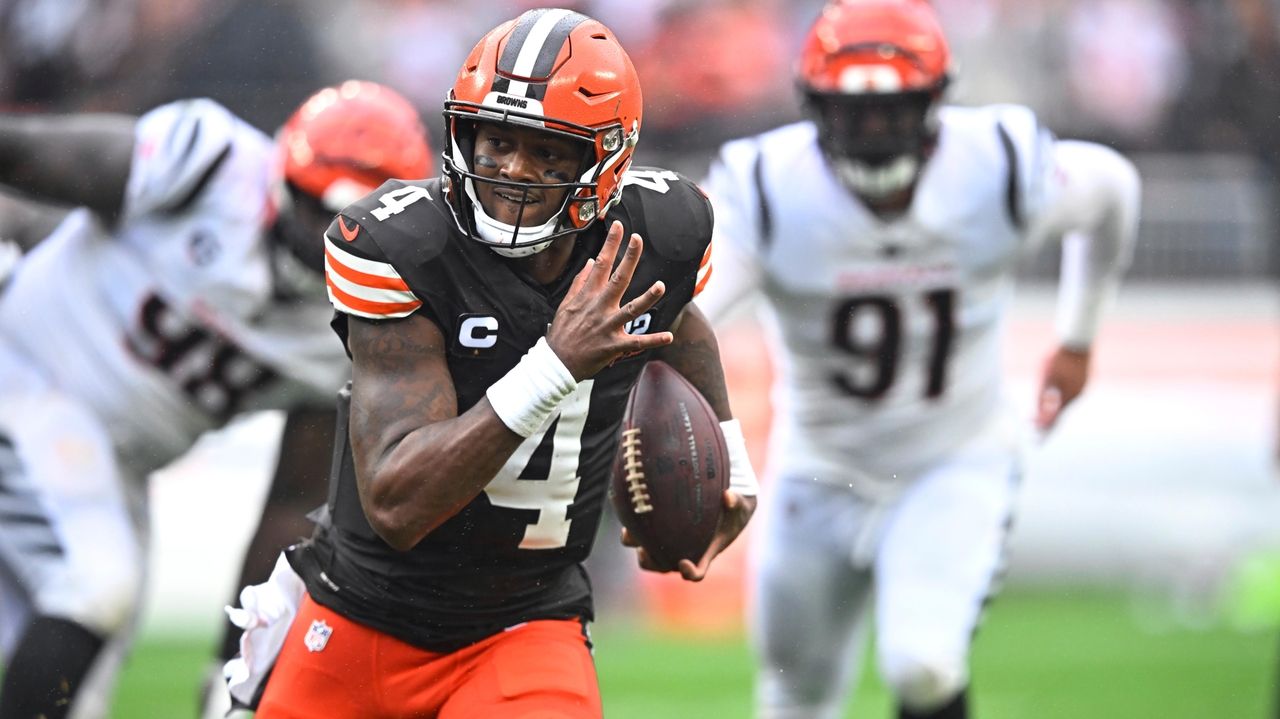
{"x": 957, "y": 708}
{"x": 47, "y": 668}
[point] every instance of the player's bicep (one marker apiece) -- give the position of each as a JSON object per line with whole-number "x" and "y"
{"x": 400, "y": 382}
{"x": 695, "y": 353}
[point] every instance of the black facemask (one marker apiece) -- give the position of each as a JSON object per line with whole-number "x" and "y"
{"x": 874, "y": 128}
{"x": 299, "y": 228}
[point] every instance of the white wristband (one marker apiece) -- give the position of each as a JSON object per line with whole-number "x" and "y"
{"x": 527, "y": 395}
{"x": 742, "y": 478}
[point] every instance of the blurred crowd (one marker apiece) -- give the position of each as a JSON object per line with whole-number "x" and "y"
{"x": 1143, "y": 75}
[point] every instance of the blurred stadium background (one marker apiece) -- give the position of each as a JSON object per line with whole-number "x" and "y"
{"x": 1144, "y": 578}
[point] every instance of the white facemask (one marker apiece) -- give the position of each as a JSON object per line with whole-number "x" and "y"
{"x": 878, "y": 181}
{"x": 498, "y": 235}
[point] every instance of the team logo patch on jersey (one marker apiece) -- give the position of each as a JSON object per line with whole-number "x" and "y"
{"x": 477, "y": 335}
{"x": 639, "y": 325}
{"x": 318, "y": 636}
{"x": 348, "y": 233}
{"x": 203, "y": 248}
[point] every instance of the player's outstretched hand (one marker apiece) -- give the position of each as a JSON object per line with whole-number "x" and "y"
{"x": 1065, "y": 374}
{"x": 738, "y": 509}
{"x": 588, "y": 332}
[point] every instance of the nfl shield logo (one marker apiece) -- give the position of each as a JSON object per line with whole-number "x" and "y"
{"x": 318, "y": 635}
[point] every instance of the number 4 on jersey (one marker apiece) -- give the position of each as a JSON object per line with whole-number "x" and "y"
{"x": 548, "y": 484}
{"x": 656, "y": 180}
{"x": 394, "y": 202}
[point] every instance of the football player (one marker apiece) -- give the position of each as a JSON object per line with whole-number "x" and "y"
{"x": 185, "y": 289}
{"x": 882, "y": 233}
{"x": 497, "y": 319}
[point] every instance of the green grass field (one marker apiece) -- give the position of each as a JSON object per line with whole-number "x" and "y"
{"x": 1039, "y": 655}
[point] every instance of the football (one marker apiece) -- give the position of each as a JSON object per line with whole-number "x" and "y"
{"x": 671, "y": 469}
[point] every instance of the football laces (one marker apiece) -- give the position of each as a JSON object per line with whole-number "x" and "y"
{"x": 634, "y": 467}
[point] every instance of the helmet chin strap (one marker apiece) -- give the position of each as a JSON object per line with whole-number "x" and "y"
{"x": 500, "y": 235}
{"x": 877, "y": 182}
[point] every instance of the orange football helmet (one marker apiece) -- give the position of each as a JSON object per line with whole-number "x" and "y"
{"x": 345, "y": 141}
{"x": 563, "y": 73}
{"x": 338, "y": 146}
{"x": 872, "y": 74}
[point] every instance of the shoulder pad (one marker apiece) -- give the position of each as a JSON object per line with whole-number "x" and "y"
{"x": 372, "y": 239}
{"x": 1028, "y": 148}
{"x": 1018, "y": 118}
{"x": 744, "y": 177}
{"x": 671, "y": 213}
{"x": 1028, "y": 137}
{"x": 408, "y": 220}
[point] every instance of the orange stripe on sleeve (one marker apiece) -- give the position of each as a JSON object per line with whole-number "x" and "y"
{"x": 369, "y": 307}
{"x": 373, "y": 282}
{"x": 706, "y": 275}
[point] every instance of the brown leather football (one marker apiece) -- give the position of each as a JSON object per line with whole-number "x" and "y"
{"x": 672, "y": 467}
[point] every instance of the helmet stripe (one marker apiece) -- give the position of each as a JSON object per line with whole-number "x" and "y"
{"x": 532, "y": 49}
{"x": 545, "y": 60}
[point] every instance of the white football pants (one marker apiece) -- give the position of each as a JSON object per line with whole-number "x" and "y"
{"x": 72, "y": 524}
{"x": 927, "y": 562}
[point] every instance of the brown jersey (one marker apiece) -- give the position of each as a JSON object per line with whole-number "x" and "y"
{"x": 514, "y": 553}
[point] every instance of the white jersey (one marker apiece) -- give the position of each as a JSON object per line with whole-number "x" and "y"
{"x": 891, "y": 329}
{"x": 172, "y": 323}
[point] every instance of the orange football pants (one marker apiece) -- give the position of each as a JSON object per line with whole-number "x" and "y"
{"x": 538, "y": 670}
